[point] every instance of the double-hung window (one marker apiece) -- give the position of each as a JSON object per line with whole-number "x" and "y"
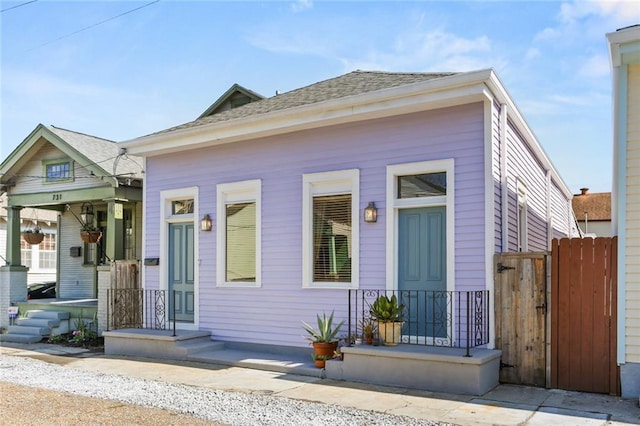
{"x": 330, "y": 231}
{"x": 239, "y": 234}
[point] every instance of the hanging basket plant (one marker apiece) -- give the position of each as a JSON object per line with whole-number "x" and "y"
{"x": 33, "y": 236}
{"x": 90, "y": 235}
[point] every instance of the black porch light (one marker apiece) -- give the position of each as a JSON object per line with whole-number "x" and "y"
{"x": 205, "y": 223}
{"x": 371, "y": 213}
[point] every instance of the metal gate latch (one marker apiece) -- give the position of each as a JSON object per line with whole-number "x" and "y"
{"x": 502, "y": 267}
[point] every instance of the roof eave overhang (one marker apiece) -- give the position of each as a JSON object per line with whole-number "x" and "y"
{"x": 432, "y": 94}
{"x": 502, "y": 96}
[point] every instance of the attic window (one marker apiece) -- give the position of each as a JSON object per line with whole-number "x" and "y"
{"x": 58, "y": 171}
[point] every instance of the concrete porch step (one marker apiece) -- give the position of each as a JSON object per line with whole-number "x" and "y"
{"x": 56, "y": 315}
{"x": 38, "y": 322}
{"x": 27, "y": 329}
{"x": 20, "y": 338}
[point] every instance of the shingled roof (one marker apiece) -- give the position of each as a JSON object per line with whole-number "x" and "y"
{"x": 102, "y": 152}
{"x": 353, "y": 83}
{"x": 597, "y": 206}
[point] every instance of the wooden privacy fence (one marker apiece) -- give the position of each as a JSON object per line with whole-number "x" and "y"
{"x": 584, "y": 314}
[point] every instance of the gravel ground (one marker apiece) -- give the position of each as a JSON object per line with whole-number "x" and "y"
{"x": 176, "y": 402}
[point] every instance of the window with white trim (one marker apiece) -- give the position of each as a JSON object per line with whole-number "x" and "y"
{"x": 239, "y": 234}
{"x": 330, "y": 231}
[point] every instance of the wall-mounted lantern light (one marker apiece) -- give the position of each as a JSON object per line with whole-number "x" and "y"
{"x": 205, "y": 223}
{"x": 371, "y": 213}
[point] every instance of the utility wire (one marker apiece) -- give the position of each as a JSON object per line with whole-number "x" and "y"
{"x": 18, "y": 5}
{"x": 93, "y": 25}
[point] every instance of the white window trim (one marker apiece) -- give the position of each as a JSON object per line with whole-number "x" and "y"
{"x": 166, "y": 217}
{"x": 243, "y": 191}
{"x": 330, "y": 183}
{"x": 394, "y": 204}
{"x": 522, "y": 226}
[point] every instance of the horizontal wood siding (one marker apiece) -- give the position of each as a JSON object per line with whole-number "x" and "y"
{"x": 32, "y": 180}
{"x": 561, "y": 215}
{"x": 632, "y": 225}
{"x": 273, "y": 313}
{"x": 76, "y": 279}
{"x": 523, "y": 166}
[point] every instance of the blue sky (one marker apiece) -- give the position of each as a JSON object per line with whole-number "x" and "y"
{"x": 107, "y": 70}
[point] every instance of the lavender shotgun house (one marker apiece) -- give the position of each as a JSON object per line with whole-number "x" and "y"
{"x": 453, "y": 170}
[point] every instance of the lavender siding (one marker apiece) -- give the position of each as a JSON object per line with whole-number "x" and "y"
{"x": 272, "y": 314}
{"x": 523, "y": 166}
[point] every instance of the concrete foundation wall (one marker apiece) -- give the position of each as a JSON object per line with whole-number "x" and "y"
{"x": 415, "y": 367}
{"x": 630, "y": 380}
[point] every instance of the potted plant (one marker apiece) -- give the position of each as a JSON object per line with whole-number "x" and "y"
{"x": 323, "y": 338}
{"x": 368, "y": 329}
{"x": 33, "y": 236}
{"x": 388, "y": 313}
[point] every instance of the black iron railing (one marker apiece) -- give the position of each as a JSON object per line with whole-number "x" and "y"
{"x": 431, "y": 318}
{"x": 148, "y": 309}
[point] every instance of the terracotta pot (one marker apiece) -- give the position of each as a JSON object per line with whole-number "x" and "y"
{"x": 33, "y": 238}
{"x": 319, "y": 363}
{"x": 326, "y": 349}
{"x": 90, "y": 236}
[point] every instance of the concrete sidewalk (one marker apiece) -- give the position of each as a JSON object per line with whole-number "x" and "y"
{"x": 504, "y": 405}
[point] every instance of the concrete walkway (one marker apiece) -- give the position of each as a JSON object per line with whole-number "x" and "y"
{"x": 504, "y": 405}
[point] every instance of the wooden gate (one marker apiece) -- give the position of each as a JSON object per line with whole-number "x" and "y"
{"x": 126, "y": 302}
{"x": 584, "y": 315}
{"x": 520, "y": 311}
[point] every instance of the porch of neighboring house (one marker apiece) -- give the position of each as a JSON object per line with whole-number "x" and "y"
{"x": 442, "y": 344}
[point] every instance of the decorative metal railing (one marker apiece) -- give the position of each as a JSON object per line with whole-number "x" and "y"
{"x": 431, "y": 318}
{"x": 133, "y": 308}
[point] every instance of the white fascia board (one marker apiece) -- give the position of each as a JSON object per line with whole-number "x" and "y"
{"x": 618, "y": 38}
{"x": 432, "y": 94}
{"x": 499, "y": 91}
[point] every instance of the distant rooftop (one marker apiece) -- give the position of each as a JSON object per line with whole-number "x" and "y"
{"x": 597, "y": 206}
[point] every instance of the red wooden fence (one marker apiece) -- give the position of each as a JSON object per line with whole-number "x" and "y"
{"x": 583, "y": 315}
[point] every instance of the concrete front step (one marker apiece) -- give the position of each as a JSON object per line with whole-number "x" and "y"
{"x": 37, "y": 325}
{"x": 20, "y": 338}
{"x": 39, "y": 313}
{"x": 38, "y": 322}
{"x": 26, "y": 329}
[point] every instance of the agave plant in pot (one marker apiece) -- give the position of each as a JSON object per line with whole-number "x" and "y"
{"x": 388, "y": 313}
{"x": 324, "y": 338}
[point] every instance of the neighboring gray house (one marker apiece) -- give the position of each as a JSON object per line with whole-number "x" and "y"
{"x": 448, "y": 161}
{"x": 69, "y": 173}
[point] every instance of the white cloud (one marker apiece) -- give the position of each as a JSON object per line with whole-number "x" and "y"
{"x": 626, "y": 11}
{"x": 300, "y": 5}
{"x": 595, "y": 66}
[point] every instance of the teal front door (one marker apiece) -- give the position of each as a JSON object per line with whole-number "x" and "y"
{"x": 181, "y": 272}
{"x": 422, "y": 272}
